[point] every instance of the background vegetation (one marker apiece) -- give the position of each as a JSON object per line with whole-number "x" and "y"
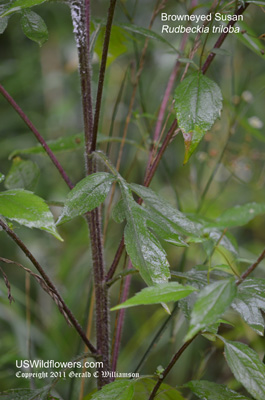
{"x": 44, "y": 81}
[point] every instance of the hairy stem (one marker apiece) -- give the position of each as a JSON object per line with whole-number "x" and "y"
{"x": 38, "y": 136}
{"x": 48, "y": 281}
{"x": 81, "y": 21}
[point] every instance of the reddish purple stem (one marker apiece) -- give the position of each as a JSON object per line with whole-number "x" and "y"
{"x": 37, "y": 135}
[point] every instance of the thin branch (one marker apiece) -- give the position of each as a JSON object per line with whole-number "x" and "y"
{"x": 42, "y": 284}
{"x": 170, "y": 366}
{"x": 38, "y": 136}
{"x": 50, "y": 284}
{"x": 163, "y": 148}
{"x": 120, "y": 322}
{"x": 116, "y": 260}
{"x": 157, "y": 337}
{"x": 251, "y": 268}
{"x": 221, "y": 39}
{"x": 121, "y": 276}
{"x": 102, "y": 72}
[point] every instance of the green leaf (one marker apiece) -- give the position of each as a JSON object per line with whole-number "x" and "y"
{"x": 246, "y": 367}
{"x": 118, "y": 390}
{"x": 258, "y": 3}
{"x": 170, "y": 215}
{"x": 88, "y": 194}
{"x": 198, "y": 102}
{"x": 27, "y": 209}
{"x": 143, "y": 248}
{"x": 2, "y": 177}
{"x": 250, "y": 313}
{"x": 69, "y": 143}
{"x": 139, "y": 389}
{"x": 249, "y": 301}
{"x": 239, "y": 215}
{"x": 34, "y": 27}
{"x": 117, "y": 45}
{"x": 212, "y": 302}
{"x": 27, "y": 394}
{"x": 3, "y": 24}
{"x": 143, "y": 388}
{"x": 250, "y": 39}
{"x": 220, "y": 52}
{"x": 146, "y": 33}
{"x": 118, "y": 212}
{"x": 163, "y": 228}
{"x": 19, "y": 5}
{"x": 206, "y": 390}
{"x": 22, "y": 174}
{"x": 164, "y": 292}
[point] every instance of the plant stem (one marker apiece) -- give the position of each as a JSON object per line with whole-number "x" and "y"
{"x": 38, "y": 136}
{"x": 170, "y": 366}
{"x": 48, "y": 281}
{"x": 251, "y": 268}
{"x": 121, "y": 276}
{"x": 156, "y": 338}
{"x": 81, "y": 21}
{"x": 157, "y": 160}
{"x": 116, "y": 260}
{"x": 120, "y": 322}
{"x": 102, "y": 72}
{"x": 221, "y": 39}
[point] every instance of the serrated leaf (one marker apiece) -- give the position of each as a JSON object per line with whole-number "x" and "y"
{"x": 68, "y": 143}
{"x": 19, "y": 5}
{"x": 162, "y": 228}
{"x": 196, "y": 278}
{"x": 27, "y": 394}
{"x": 88, "y": 194}
{"x": 198, "y": 102}
{"x": 143, "y": 248}
{"x": 246, "y": 367}
{"x": 167, "y": 212}
{"x": 239, "y": 215}
{"x": 249, "y": 301}
{"x": 165, "y": 292}
{"x": 118, "y": 390}
{"x": 118, "y": 212}
{"x": 3, "y": 24}
{"x": 27, "y": 209}
{"x": 143, "y": 388}
{"x": 212, "y": 302}
{"x": 250, "y": 314}
{"x": 22, "y": 174}
{"x": 139, "y": 389}
{"x": 34, "y": 27}
{"x": 206, "y": 390}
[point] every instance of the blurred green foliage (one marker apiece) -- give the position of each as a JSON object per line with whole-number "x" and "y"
{"x": 45, "y": 83}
